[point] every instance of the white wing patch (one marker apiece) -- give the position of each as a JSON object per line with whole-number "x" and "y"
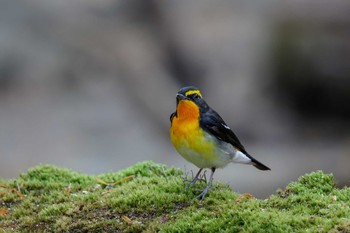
{"x": 225, "y": 126}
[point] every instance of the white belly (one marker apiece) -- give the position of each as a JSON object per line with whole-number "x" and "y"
{"x": 218, "y": 156}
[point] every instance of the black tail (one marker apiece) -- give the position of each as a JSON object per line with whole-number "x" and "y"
{"x": 259, "y": 165}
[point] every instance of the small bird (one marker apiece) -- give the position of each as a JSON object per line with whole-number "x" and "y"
{"x": 201, "y": 136}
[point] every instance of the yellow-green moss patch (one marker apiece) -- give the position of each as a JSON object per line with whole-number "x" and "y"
{"x": 151, "y": 197}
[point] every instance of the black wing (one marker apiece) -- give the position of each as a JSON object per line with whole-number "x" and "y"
{"x": 212, "y": 123}
{"x": 172, "y": 116}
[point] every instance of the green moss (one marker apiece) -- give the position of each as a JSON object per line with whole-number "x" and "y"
{"x": 152, "y": 198}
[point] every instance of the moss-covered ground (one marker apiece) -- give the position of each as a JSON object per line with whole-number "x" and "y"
{"x": 149, "y": 197}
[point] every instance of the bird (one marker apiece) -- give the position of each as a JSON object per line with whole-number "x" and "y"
{"x": 202, "y": 137}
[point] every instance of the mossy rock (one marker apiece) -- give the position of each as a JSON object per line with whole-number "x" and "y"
{"x": 150, "y": 197}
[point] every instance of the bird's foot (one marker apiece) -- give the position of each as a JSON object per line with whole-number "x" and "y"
{"x": 203, "y": 193}
{"x": 194, "y": 180}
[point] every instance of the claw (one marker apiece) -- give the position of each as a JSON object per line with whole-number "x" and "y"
{"x": 203, "y": 193}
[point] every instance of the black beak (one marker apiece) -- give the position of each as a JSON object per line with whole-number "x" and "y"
{"x": 180, "y": 97}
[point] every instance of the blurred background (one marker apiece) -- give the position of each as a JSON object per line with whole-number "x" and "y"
{"x": 89, "y": 85}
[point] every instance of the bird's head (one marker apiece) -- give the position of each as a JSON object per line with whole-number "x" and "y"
{"x": 189, "y": 93}
{"x": 189, "y": 100}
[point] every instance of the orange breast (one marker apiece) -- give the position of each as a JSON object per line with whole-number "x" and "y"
{"x": 190, "y": 140}
{"x": 185, "y": 132}
{"x": 186, "y": 120}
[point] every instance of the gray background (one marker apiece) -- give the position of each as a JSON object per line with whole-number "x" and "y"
{"x": 89, "y": 85}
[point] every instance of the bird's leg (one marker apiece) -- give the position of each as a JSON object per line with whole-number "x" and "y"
{"x": 204, "y": 192}
{"x": 193, "y": 181}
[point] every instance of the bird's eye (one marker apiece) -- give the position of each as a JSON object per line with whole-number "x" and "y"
{"x": 196, "y": 96}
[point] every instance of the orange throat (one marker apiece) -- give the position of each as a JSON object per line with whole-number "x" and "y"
{"x": 187, "y": 110}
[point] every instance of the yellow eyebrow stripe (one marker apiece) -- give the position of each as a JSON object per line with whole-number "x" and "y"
{"x": 191, "y": 92}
